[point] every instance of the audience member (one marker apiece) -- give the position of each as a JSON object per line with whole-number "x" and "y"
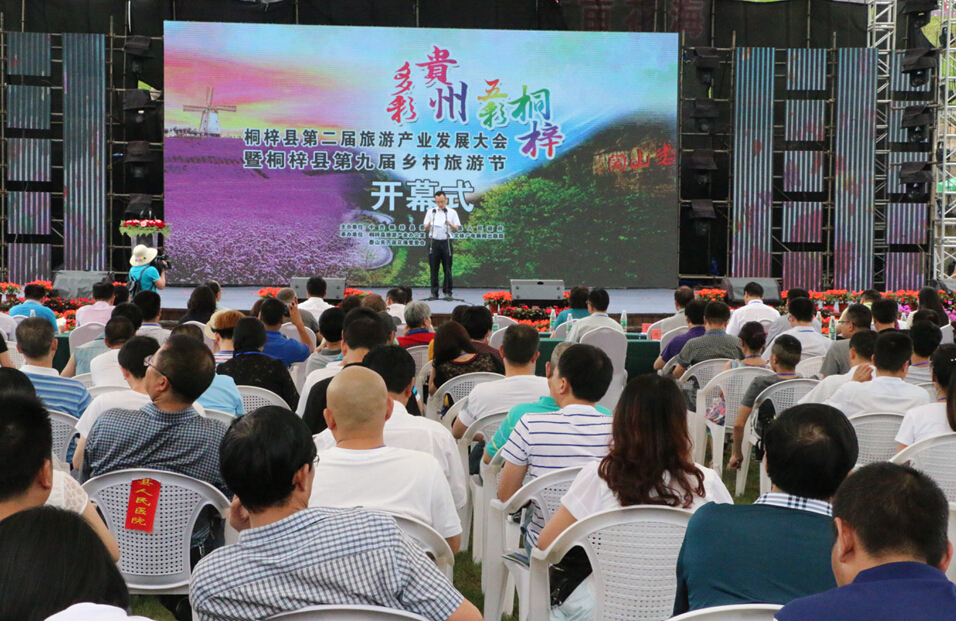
{"x": 890, "y": 553}
{"x": 315, "y": 288}
{"x": 29, "y": 477}
{"x": 478, "y": 322}
{"x": 418, "y": 325}
{"x": 221, "y": 329}
{"x": 331, "y": 324}
{"x": 54, "y": 567}
{"x": 307, "y": 556}
{"x": 938, "y": 417}
{"x": 598, "y": 302}
{"x": 105, "y": 368}
{"x": 649, "y": 463}
{"x": 15, "y": 382}
{"x": 810, "y": 449}
{"x": 32, "y": 305}
{"x": 923, "y": 314}
{"x": 150, "y": 305}
{"x": 928, "y": 298}
{"x": 223, "y": 394}
{"x": 520, "y": 385}
{"x": 753, "y": 310}
{"x": 693, "y": 313}
{"x": 577, "y": 306}
{"x": 36, "y": 340}
{"x": 362, "y": 470}
{"x": 683, "y": 296}
{"x": 715, "y": 343}
{"x": 201, "y": 305}
{"x": 782, "y": 323}
{"x": 801, "y": 317}
{"x": 457, "y": 354}
{"x": 349, "y": 302}
{"x": 250, "y": 367}
{"x": 886, "y": 392}
{"x": 375, "y": 302}
{"x": 885, "y": 314}
{"x": 278, "y": 345}
{"x": 837, "y": 361}
{"x": 926, "y": 338}
{"x": 101, "y": 308}
{"x": 79, "y": 362}
{"x": 120, "y": 294}
{"x": 395, "y": 302}
{"x": 286, "y": 295}
{"x": 862, "y": 346}
{"x": 573, "y": 436}
{"x": 217, "y": 291}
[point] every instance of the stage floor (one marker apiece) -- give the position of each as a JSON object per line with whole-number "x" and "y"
{"x": 634, "y": 301}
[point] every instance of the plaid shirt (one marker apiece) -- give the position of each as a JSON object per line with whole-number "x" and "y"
{"x": 320, "y": 556}
{"x": 789, "y": 501}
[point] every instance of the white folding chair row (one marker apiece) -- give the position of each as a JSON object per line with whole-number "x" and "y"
{"x": 84, "y": 378}
{"x": 936, "y": 457}
{"x": 545, "y": 492}
{"x": 783, "y": 395}
{"x": 633, "y": 553}
{"x": 668, "y": 336}
{"x": 733, "y": 384}
{"x": 96, "y": 391}
{"x": 64, "y": 430}
{"x": 85, "y": 334}
{"x": 485, "y": 426}
{"x": 254, "y": 398}
{"x": 420, "y": 354}
{"x": 808, "y": 367}
{"x": 497, "y": 338}
{"x": 211, "y": 344}
{"x": 458, "y": 388}
{"x": 289, "y": 330}
{"x": 703, "y": 372}
{"x": 876, "y": 435}
{"x": 737, "y": 612}
{"x": 614, "y": 344}
{"x": 930, "y": 389}
{"x": 157, "y": 562}
{"x": 347, "y": 613}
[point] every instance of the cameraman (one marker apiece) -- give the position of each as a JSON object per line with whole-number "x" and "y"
{"x": 150, "y": 273}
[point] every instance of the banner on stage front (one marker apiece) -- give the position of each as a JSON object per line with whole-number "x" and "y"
{"x": 300, "y": 150}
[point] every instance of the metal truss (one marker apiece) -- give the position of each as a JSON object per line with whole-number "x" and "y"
{"x": 944, "y": 214}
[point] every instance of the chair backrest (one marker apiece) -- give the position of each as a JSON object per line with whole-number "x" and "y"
{"x": 64, "y": 428}
{"x": 448, "y": 420}
{"x": 930, "y": 389}
{"x": 458, "y": 388}
{"x": 223, "y": 417}
{"x": 84, "y": 378}
{"x": 810, "y": 366}
{"x": 947, "y": 331}
{"x": 400, "y": 330}
{"x": 420, "y": 354}
{"x": 19, "y": 318}
{"x": 733, "y": 384}
{"x": 633, "y": 553}
{"x": 84, "y": 334}
{"x": 486, "y": 426}
{"x": 292, "y": 332}
{"x": 737, "y": 612}
{"x": 254, "y": 398}
{"x": 876, "y": 435}
{"x": 657, "y": 325}
{"x": 157, "y": 560}
{"x": 421, "y": 381}
{"x": 430, "y": 541}
{"x": 503, "y": 321}
{"x": 211, "y": 344}
{"x": 670, "y": 334}
{"x": 497, "y": 338}
{"x": 611, "y": 342}
{"x": 704, "y": 371}
{"x": 561, "y": 332}
{"x": 16, "y": 357}
{"x": 297, "y": 371}
{"x": 936, "y": 457}
{"x": 784, "y": 395}
{"x": 346, "y": 613}
{"x": 96, "y": 391}
{"x": 545, "y": 491}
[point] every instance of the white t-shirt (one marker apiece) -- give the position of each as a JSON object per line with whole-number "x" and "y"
{"x": 755, "y": 310}
{"x": 828, "y": 387}
{"x": 812, "y": 343}
{"x": 94, "y": 612}
{"x": 66, "y": 493}
{"x": 440, "y": 221}
{"x": 591, "y": 322}
{"x": 316, "y": 306}
{"x": 416, "y": 433}
{"x": 105, "y": 370}
{"x": 311, "y": 380}
{"x": 502, "y": 395}
{"x": 119, "y": 400}
{"x": 922, "y": 374}
{"x": 880, "y": 394}
{"x": 589, "y": 493}
{"x": 923, "y": 422}
{"x": 393, "y": 480}
{"x": 396, "y": 310}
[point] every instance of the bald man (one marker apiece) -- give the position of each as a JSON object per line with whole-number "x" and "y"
{"x": 361, "y": 471}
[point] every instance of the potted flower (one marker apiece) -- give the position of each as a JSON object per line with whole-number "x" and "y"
{"x": 10, "y": 290}
{"x": 136, "y": 228}
{"x": 495, "y": 300}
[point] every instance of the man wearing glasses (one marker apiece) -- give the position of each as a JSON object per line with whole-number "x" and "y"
{"x": 837, "y": 360}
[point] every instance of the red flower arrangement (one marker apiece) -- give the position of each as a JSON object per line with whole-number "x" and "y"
{"x": 358, "y": 292}
{"x": 134, "y": 228}
{"x": 268, "y": 292}
{"x": 497, "y": 298}
{"x": 712, "y": 295}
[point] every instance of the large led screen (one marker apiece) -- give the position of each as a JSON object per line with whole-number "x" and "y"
{"x": 299, "y": 150}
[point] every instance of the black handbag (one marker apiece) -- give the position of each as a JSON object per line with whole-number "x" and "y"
{"x": 568, "y": 574}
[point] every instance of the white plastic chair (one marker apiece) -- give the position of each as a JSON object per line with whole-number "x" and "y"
{"x": 485, "y": 426}
{"x": 657, "y": 325}
{"x": 85, "y": 378}
{"x": 667, "y": 337}
{"x": 936, "y": 457}
{"x": 783, "y": 395}
{"x": 458, "y": 387}
{"x": 223, "y": 417}
{"x": 400, "y": 330}
{"x": 64, "y": 429}
{"x": 346, "y": 613}
{"x": 737, "y": 612}
{"x": 254, "y": 398}
{"x": 503, "y": 321}
{"x": 297, "y": 371}
{"x": 96, "y": 391}
{"x": 19, "y": 318}
{"x": 448, "y": 420}
{"x": 430, "y": 541}
{"x": 930, "y": 389}
{"x": 421, "y": 382}
{"x": 211, "y": 344}
{"x": 84, "y": 334}
{"x": 809, "y": 367}
{"x": 561, "y": 332}
{"x": 16, "y": 357}
{"x": 876, "y": 435}
{"x": 290, "y": 331}
{"x": 614, "y": 344}
{"x": 733, "y": 384}
{"x": 545, "y": 492}
{"x": 420, "y": 354}
{"x": 633, "y": 553}
{"x": 947, "y": 331}
{"x": 158, "y": 562}
{"x": 497, "y": 338}
{"x": 703, "y": 372}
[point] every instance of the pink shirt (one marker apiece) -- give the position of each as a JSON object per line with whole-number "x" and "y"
{"x": 99, "y": 312}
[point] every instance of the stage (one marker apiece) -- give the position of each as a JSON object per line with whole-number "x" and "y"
{"x": 634, "y": 301}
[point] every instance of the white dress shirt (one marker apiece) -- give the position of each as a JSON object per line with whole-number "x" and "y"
{"x": 755, "y": 310}
{"x": 105, "y": 370}
{"x": 98, "y": 312}
{"x": 880, "y": 394}
{"x": 502, "y": 395}
{"x": 812, "y": 343}
{"x": 397, "y": 311}
{"x": 924, "y": 422}
{"x": 316, "y": 306}
{"x": 440, "y": 222}
{"x": 591, "y": 322}
{"x": 828, "y": 387}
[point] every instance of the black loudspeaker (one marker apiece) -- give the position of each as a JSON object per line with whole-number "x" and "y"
{"x": 75, "y": 284}
{"x": 735, "y": 290}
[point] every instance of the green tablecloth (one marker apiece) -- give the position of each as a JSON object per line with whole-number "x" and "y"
{"x": 640, "y": 355}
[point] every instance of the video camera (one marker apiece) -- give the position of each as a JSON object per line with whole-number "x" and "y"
{"x": 161, "y": 262}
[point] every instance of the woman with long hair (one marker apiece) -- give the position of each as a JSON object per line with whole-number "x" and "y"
{"x": 649, "y": 463}
{"x": 929, "y": 300}
{"x": 201, "y": 305}
{"x": 939, "y": 417}
{"x": 455, "y": 354}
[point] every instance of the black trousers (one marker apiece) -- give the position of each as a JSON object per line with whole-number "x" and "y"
{"x": 440, "y": 253}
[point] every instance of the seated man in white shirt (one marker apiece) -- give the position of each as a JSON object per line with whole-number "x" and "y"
{"x": 402, "y": 430}
{"x": 315, "y": 288}
{"x": 683, "y": 296}
{"x": 150, "y": 304}
{"x": 105, "y": 368}
{"x": 782, "y": 323}
{"x": 932, "y": 420}
{"x": 395, "y": 304}
{"x": 801, "y": 318}
{"x": 926, "y": 338}
{"x": 862, "y": 344}
{"x": 362, "y": 471}
{"x": 598, "y": 302}
{"x": 753, "y": 310}
{"x": 886, "y": 392}
{"x": 520, "y": 385}
{"x": 102, "y": 307}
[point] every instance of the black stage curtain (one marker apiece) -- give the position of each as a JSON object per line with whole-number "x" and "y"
{"x": 235, "y": 11}
{"x": 784, "y": 24}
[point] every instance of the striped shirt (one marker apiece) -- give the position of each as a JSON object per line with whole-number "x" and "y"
{"x": 63, "y": 394}
{"x": 320, "y": 556}
{"x": 572, "y": 436}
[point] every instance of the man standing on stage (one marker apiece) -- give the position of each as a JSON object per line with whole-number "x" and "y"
{"x": 440, "y": 223}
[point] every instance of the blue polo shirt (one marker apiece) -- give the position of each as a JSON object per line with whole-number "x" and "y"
{"x": 32, "y": 308}
{"x": 677, "y": 343}
{"x": 223, "y": 396}
{"x": 891, "y": 592}
{"x": 147, "y": 275}
{"x": 281, "y": 347}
